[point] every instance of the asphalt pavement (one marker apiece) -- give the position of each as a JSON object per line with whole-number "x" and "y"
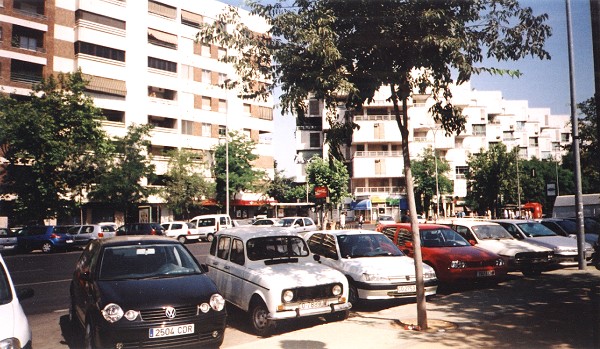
{"x": 557, "y": 309}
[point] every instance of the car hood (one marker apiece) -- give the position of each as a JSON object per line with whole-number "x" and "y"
{"x": 465, "y": 253}
{"x": 552, "y": 242}
{"x": 145, "y": 293}
{"x": 390, "y": 266}
{"x": 510, "y": 247}
{"x": 300, "y": 274}
{"x": 14, "y": 322}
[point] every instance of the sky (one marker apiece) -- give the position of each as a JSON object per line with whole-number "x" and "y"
{"x": 544, "y": 84}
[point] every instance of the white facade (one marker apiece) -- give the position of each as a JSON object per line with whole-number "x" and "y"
{"x": 376, "y": 155}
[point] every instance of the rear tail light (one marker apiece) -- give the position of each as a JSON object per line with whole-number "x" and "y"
{"x": 53, "y": 236}
{"x": 153, "y": 231}
{"x": 189, "y": 232}
{"x": 100, "y": 235}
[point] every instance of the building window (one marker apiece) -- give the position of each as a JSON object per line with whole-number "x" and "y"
{"x": 206, "y": 129}
{"x": 565, "y": 137}
{"x": 81, "y": 15}
{"x": 161, "y": 9}
{"x": 313, "y": 107}
{"x": 222, "y": 78}
{"x": 222, "y": 106}
{"x": 478, "y": 130}
{"x": 508, "y": 135}
{"x": 191, "y": 19}
{"x": 163, "y": 39}
{"x": 206, "y": 76}
{"x": 221, "y": 53}
{"x": 222, "y": 131}
{"x": 162, "y": 93}
{"x": 206, "y": 103}
{"x": 520, "y": 125}
{"x": 461, "y": 172}
{"x": 205, "y": 51}
{"x": 247, "y": 133}
{"x": 533, "y": 142}
{"x": 162, "y": 64}
{"x": 99, "y": 51}
{"x": 315, "y": 140}
{"x": 247, "y": 108}
{"x": 162, "y": 122}
{"x": 187, "y": 127}
{"x": 114, "y": 115}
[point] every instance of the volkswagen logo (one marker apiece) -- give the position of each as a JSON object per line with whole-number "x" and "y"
{"x": 170, "y": 312}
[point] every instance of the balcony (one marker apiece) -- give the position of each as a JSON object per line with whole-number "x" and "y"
{"x": 30, "y": 8}
{"x": 28, "y": 39}
{"x": 25, "y": 72}
{"x": 309, "y": 124}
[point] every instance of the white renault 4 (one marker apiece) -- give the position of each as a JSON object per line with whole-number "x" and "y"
{"x": 15, "y": 331}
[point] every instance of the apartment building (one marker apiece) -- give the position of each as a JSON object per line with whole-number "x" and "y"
{"x": 144, "y": 66}
{"x": 375, "y": 157}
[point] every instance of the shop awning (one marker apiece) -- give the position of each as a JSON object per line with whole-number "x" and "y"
{"x": 162, "y": 36}
{"x": 252, "y": 199}
{"x": 362, "y": 205}
{"x": 105, "y": 85}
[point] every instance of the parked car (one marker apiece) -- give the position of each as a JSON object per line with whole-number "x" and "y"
{"x": 530, "y": 259}
{"x": 182, "y": 231}
{"x": 144, "y": 291}
{"x": 269, "y": 273}
{"x": 267, "y": 222}
{"x": 209, "y": 224}
{"x": 46, "y": 238}
{"x": 8, "y": 240}
{"x": 591, "y": 228}
{"x": 565, "y": 249}
{"x": 82, "y": 234}
{"x": 299, "y": 224}
{"x": 374, "y": 266}
{"x": 15, "y": 331}
{"x": 140, "y": 229}
{"x": 384, "y": 219}
{"x": 452, "y": 257}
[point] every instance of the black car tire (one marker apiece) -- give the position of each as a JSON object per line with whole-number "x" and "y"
{"x": 210, "y": 237}
{"x": 261, "y": 324}
{"x": 531, "y": 272}
{"x": 182, "y": 239}
{"x": 352, "y": 294}
{"x": 47, "y": 247}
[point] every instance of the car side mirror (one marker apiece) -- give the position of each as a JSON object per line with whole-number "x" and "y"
{"x": 472, "y": 242}
{"x": 317, "y": 258}
{"x": 24, "y": 293}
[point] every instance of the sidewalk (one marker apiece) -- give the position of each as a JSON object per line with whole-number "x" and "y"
{"x": 553, "y": 310}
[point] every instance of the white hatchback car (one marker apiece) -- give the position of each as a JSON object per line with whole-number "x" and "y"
{"x": 299, "y": 224}
{"x": 270, "y": 273}
{"x": 182, "y": 231}
{"x": 15, "y": 331}
{"x": 373, "y": 264}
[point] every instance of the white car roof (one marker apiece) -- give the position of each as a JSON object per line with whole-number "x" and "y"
{"x": 249, "y": 232}
{"x": 345, "y": 232}
{"x": 467, "y": 222}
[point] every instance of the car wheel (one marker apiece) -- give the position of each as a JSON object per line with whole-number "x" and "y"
{"x": 259, "y": 317}
{"x": 182, "y": 239}
{"x": 353, "y": 294}
{"x": 531, "y": 272}
{"x": 47, "y": 247}
{"x": 210, "y": 237}
{"x": 337, "y": 316}
{"x": 89, "y": 337}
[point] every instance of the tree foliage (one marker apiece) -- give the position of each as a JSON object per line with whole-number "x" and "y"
{"x": 185, "y": 185}
{"x": 54, "y": 146}
{"x": 242, "y": 175}
{"x": 589, "y": 148}
{"x": 285, "y": 189}
{"x": 332, "y": 174}
{"x": 122, "y": 184}
{"x": 424, "y": 171}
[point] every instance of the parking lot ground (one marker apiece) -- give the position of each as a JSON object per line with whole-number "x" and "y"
{"x": 553, "y": 310}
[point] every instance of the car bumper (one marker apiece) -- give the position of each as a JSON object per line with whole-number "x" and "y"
{"x": 297, "y": 311}
{"x": 472, "y": 274}
{"x": 209, "y": 330}
{"x": 569, "y": 260}
{"x": 391, "y": 291}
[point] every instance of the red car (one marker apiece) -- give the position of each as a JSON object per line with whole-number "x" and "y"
{"x": 452, "y": 256}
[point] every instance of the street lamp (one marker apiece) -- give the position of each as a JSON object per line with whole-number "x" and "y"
{"x": 434, "y": 129}
{"x": 226, "y": 82}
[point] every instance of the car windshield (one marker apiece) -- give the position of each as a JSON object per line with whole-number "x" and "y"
{"x": 272, "y": 247}
{"x": 287, "y": 222}
{"x": 534, "y": 229}
{"x": 146, "y": 261}
{"x": 491, "y": 232}
{"x": 367, "y": 245}
{"x": 443, "y": 237}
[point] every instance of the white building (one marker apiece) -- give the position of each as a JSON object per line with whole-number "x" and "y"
{"x": 144, "y": 66}
{"x": 375, "y": 156}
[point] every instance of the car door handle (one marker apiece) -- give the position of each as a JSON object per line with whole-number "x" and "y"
{"x": 226, "y": 267}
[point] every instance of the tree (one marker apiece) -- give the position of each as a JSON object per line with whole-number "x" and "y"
{"x": 331, "y": 174}
{"x": 285, "y": 189}
{"x": 54, "y": 146}
{"x": 185, "y": 185}
{"x": 348, "y": 50}
{"x": 122, "y": 184}
{"x": 424, "y": 172}
{"x": 589, "y": 147}
{"x": 242, "y": 175}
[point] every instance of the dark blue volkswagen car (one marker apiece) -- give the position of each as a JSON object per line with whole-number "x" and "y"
{"x": 144, "y": 291}
{"x": 47, "y": 238}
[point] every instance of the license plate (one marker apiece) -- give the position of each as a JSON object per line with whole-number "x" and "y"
{"x": 407, "y": 289}
{"x": 486, "y": 273}
{"x": 69, "y": 241}
{"x": 312, "y": 305}
{"x": 171, "y": 331}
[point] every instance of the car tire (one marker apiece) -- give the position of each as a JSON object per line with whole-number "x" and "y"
{"x": 262, "y": 325}
{"x": 353, "y": 294}
{"x": 531, "y": 272}
{"x": 337, "y": 316}
{"x": 210, "y": 237}
{"x": 182, "y": 239}
{"x": 47, "y": 247}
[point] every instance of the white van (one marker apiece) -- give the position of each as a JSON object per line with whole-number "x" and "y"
{"x": 209, "y": 224}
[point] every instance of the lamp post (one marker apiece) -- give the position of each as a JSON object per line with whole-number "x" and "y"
{"x": 227, "y": 148}
{"x": 434, "y": 129}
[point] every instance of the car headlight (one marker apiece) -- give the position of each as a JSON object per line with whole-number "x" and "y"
{"x": 287, "y": 296}
{"x": 458, "y": 264}
{"x": 336, "y": 290}
{"x": 131, "y": 314}
{"x": 375, "y": 277}
{"x": 429, "y": 275}
{"x": 112, "y": 312}
{"x": 559, "y": 249}
{"x": 217, "y": 302}
{"x": 499, "y": 262}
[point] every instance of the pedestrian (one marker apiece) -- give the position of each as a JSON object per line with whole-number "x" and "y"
{"x": 361, "y": 220}
{"x": 343, "y": 220}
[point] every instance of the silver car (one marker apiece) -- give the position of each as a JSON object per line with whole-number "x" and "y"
{"x": 82, "y": 234}
{"x": 8, "y": 240}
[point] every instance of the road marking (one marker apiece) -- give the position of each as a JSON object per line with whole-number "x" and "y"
{"x": 41, "y": 283}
